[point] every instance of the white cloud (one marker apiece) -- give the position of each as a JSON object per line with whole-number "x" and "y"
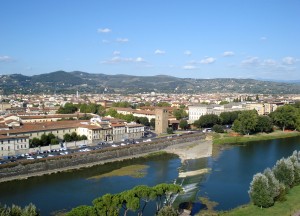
{"x": 189, "y": 67}
{"x": 207, "y": 60}
{"x": 116, "y": 52}
{"x": 122, "y": 40}
{"x": 159, "y": 52}
{"x": 263, "y": 38}
{"x": 251, "y": 61}
{"x": 118, "y": 59}
{"x": 289, "y": 60}
{"x": 139, "y": 59}
{"x": 228, "y": 53}
{"x": 187, "y": 52}
{"x": 5, "y": 59}
{"x": 104, "y": 30}
{"x": 269, "y": 62}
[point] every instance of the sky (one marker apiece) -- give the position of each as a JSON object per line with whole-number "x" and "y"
{"x": 258, "y": 39}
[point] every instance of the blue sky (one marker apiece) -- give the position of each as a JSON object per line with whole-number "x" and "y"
{"x": 257, "y": 39}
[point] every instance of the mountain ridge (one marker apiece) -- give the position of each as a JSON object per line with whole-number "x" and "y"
{"x": 70, "y": 82}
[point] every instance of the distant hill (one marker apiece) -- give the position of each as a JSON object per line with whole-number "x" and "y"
{"x": 70, "y": 82}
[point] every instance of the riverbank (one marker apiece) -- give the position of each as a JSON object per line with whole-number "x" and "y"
{"x": 233, "y": 138}
{"x": 84, "y": 160}
{"x": 286, "y": 208}
{"x": 191, "y": 150}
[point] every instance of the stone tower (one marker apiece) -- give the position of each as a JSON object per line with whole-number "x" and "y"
{"x": 161, "y": 120}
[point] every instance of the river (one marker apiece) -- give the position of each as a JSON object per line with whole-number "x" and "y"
{"x": 227, "y": 183}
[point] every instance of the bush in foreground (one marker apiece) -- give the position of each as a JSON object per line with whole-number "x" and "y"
{"x": 259, "y": 192}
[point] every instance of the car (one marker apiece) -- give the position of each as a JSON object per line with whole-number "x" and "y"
{"x": 40, "y": 156}
{"x": 114, "y": 145}
{"x": 30, "y": 158}
{"x": 123, "y": 144}
{"x": 82, "y": 146}
{"x": 50, "y": 155}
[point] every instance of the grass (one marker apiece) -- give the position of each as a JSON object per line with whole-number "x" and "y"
{"x": 233, "y": 139}
{"x": 136, "y": 171}
{"x": 286, "y": 208}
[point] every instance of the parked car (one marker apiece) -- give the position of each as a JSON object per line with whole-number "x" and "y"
{"x": 82, "y": 146}
{"x": 30, "y": 158}
{"x": 40, "y": 156}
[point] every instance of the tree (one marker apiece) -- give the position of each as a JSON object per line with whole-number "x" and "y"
{"x": 67, "y": 109}
{"x": 142, "y": 120}
{"x": 45, "y": 140}
{"x": 208, "y": 120}
{"x": 15, "y": 210}
{"x": 163, "y": 104}
{"x": 246, "y": 122}
{"x": 274, "y": 185}
{"x": 83, "y": 137}
{"x": 285, "y": 117}
{"x": 223, "y": 102}
{"x": 264, "y": 124}
{"x": 145, "y": 194}
{"x": 295, "y": 161}
{"x": 170, "y": 130}
{"x": 74, "y": 136}
{"x": 35, "y": 142}
{"x": 101, "y": 110}
{"x": 180, "y": 114}
{"x": 54, "y": 141}
{"x": 259, "y": 191}
{"x": 152, "y": 123}
{"x": 129, "y": 201}
{"x": 67, "y": 137}
{"x": 82, "y": 210}
{"x": 111, "y": 112}
{"x": 167, "y": 211}
{"x": 107, "y": 205}
{"x": 218, "y": 129}
{"x": 284, "y": 172}
{"x": 183, "y": 124}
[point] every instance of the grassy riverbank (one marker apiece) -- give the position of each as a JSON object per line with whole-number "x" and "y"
{"x": 286, "y": 208}
{"x": 228, "y": 138}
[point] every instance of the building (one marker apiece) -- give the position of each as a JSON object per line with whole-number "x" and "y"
{"x": 161, "y": 120}
{"x": 10, "y": 145}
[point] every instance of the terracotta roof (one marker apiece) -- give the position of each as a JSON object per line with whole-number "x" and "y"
{"x": 117, "y": 125}
{"x": 45, "y": 126}
{"x": 134, "y": 125}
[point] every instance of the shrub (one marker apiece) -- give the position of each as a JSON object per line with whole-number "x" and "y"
{"x": 274, "y": 184}
{"x": 284, "y": 172}
{"x": 296, "y": 165}
{"x": 259, "y": 191}
{"x": 167, "y": 211}
{"x": 218, "y": 129}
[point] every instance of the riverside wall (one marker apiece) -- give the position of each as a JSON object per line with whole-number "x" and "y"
{"x": 26, "y": 168}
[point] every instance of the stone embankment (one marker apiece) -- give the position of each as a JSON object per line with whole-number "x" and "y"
{"x": 28, "y": 168}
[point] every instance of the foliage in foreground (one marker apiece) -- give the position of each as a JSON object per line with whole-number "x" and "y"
{"x": 15, "y": 210}
{"x": 271, "y": 186}
{"x": 134, "y": 200}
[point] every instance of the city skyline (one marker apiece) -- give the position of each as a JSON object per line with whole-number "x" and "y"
{"x": 196, "y": 39}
